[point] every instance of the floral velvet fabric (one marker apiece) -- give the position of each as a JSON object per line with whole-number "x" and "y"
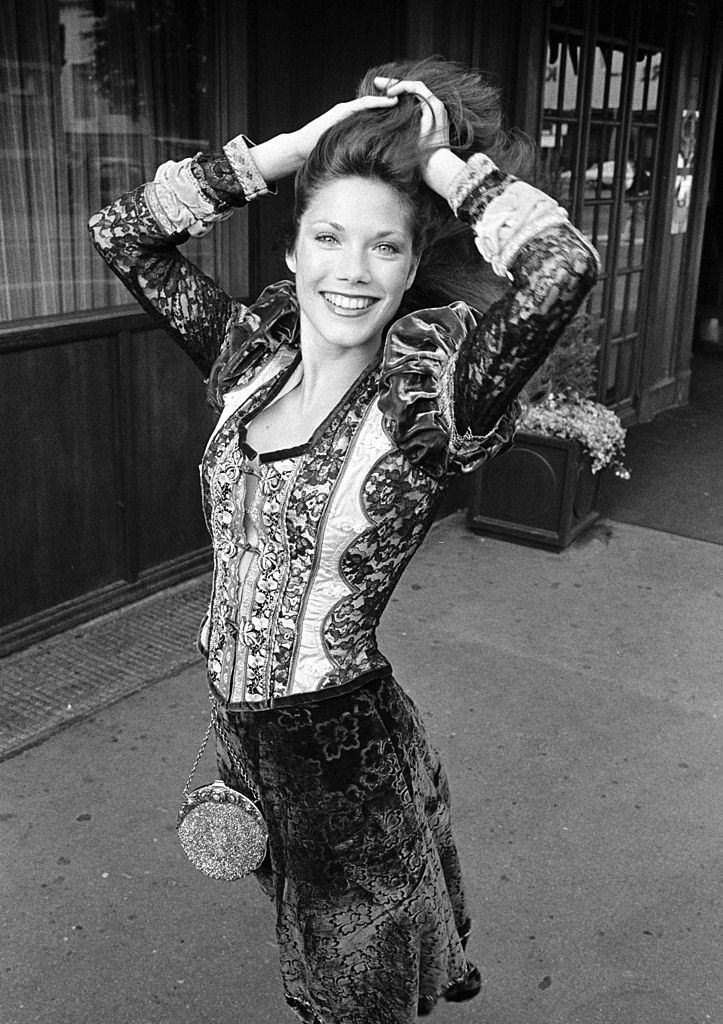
{"x": 372, "y": 921}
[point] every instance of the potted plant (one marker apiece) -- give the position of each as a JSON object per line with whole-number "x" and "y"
{"x": 544, "y": 489}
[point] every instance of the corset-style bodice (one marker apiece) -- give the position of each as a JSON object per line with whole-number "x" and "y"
{"x": 308, "y": 546}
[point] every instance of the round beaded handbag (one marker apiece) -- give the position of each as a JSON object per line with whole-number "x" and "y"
{"x": 222, "y": 831}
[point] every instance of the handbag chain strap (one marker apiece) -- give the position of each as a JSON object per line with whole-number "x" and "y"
{"x": 222, "y": 733}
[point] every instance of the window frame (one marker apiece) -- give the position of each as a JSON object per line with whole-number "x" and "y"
{"x": 634, "y": 337}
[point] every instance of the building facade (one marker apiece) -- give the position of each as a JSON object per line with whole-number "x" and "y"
{"x": 103, "y": 420}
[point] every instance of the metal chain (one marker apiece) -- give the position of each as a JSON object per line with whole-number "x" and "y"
{"x": 222, "y": 732}
{"x": 236, "y": 763}
{"x": 199, "y": 755}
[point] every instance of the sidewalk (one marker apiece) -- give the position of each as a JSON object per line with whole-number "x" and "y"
{"x": 65, "y": 678}
{"x": 575, "y": 700}
{"x": 676, "y": 484}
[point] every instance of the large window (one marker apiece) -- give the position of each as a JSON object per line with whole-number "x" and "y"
{"x": 600, "y": 128}
{"x": 94, "y": 94}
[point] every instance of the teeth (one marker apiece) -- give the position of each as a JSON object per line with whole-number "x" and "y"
{"x": 346, "y": 302}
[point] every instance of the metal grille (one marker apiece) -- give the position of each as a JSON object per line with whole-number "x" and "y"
{"x": 599, "y": 137}
{"x": 76, "y": 673}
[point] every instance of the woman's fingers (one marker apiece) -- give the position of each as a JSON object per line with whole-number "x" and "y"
{"x": 304, "y": 139}
{"x": 434, "y": 128}
{"x": 365, "y": 102}
{"x": 393, "y": 87}
{"x": 349, "y": 107}
{"x": 434, "y": 115}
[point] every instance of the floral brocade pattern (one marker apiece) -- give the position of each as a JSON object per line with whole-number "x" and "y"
{"x": 318, "y": 472}
{"x": 224, "y": 504}
{"x": 362, "y": 863}
{"x": 255, "y": 621}
{"x": 373, "y": 564}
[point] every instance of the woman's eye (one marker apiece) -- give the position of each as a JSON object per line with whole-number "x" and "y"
{"x": 388, "y": 247}
{"x": 324, "y": 237}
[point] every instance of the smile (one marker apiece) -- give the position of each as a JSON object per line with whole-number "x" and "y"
{"x": 350, "y": 303}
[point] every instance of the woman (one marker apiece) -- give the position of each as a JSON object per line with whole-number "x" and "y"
{"x": 341, "y": 422}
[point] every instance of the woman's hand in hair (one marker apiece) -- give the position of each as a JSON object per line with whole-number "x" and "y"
{"x": 438, "y": 163}
{"x": 284, "y": 154}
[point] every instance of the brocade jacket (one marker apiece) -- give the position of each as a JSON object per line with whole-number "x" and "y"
{"x": 309, "y": 542}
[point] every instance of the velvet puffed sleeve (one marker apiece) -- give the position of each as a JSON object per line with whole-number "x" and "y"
{"x": 139, "y": 233}
{"x": 451, "y": 375}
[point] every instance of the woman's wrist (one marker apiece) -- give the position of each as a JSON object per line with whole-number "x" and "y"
{"x": 441, "y": 169}
{"x": 474, "y": 188}
{"x": 278, "y": 157}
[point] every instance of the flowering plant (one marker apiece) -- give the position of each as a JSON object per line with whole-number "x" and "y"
{"x": 559, "y": 400}
{"x": 596, "y": 427}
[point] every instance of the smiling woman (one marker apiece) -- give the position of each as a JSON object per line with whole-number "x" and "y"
{"x": 347, "y": 401}
{"x": 353, "y": 260}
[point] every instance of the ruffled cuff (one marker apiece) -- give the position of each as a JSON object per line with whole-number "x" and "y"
{"x": 505, "y": 213}
{"x": 477, "y": 184}
{"x": 177, "y": 203}
{"x": 191, "y": 195}
{"x": 232, "y": 177}
{"x": 238, "y": 153}
{"x": 416, "y": 393}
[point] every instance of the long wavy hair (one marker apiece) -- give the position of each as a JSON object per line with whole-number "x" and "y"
{"x": 384, "y": 145}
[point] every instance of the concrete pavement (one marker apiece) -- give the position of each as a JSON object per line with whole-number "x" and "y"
{"x": 575, "y": 699}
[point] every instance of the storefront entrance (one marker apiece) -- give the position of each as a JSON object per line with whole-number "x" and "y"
{"x": 605, "y": 80}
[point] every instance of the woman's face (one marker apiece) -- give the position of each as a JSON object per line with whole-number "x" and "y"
{"x": 353, "y": 261}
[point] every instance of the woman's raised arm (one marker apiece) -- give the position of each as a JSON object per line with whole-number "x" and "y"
{"x": 551, "y": 268}
{"x": 527, "y": 238}
{"x": 138, "y": 235}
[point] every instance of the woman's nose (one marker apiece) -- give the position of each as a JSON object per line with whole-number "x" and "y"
{"x": 353, "y": 266}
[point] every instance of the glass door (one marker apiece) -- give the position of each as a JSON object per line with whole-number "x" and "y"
{"x": 599, "y": 141}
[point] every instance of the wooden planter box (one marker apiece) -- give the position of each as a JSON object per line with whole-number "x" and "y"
{"x": 540, "y": 491}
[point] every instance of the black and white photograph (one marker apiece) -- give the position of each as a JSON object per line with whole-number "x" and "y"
{"x": 361, "y": 517}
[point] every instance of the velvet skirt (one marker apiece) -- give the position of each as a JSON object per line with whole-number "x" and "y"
{"x": 362, "y": 867}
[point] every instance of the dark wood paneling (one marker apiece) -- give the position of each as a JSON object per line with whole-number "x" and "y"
{"x": 170, "y": 425}
{"x": 58, "y": 510}
{"x": 22, "y": 632}
{"x": 102, "y": 439}
{"x": 46, "y": 331}
{"x": 310, "y": 57}
{"x": 503, "y": 41}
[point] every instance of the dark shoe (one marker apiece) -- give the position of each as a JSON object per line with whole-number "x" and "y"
{"x": 302, "y": 1010}
{"x": 466, "y": 988}
{"x": 425, "y": 1005}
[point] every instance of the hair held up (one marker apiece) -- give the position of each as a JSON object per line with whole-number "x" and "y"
{"x": 384, "y": 144}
